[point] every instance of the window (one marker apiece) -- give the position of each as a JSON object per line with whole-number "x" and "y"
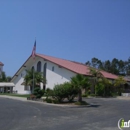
{"x": 44, "y": 70}
{"x": 39, "y": 66}
{"x": 53, "y": 68}
{"x": 26, "y": 87}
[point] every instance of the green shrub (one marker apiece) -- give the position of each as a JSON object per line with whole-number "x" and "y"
{"x": 59, "y": 93}
{"x": 71, "y": 92}
{"x": 48, "y": 92}
{"x": 62, "y": 91}
{"x": 38, "y": 92}
{"x": 55, "y": 101}
{"x": 48, "y": 100}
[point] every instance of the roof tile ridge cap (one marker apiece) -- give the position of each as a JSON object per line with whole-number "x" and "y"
{"x": 65, "y": 60}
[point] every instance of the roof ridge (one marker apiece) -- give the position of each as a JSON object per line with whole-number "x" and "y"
{"x": 54, "y": 57}
{"x": 65, "y": 59}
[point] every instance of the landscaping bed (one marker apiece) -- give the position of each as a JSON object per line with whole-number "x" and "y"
{"x": 53, "y": 101}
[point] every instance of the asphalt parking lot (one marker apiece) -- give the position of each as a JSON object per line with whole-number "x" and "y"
{"x": 102, "y": 115}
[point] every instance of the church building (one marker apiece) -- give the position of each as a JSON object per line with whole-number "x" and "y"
{"x": 55, "y": 70}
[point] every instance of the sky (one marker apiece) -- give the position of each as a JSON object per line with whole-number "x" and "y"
{"x": 76, "y": 30}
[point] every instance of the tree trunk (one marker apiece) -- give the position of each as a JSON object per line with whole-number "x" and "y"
{"x": 80, "y": 96}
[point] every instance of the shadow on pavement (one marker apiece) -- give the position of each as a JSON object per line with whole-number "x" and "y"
{"x": 86, "y": 106}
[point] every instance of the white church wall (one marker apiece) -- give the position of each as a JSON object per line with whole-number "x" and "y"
{"x": 18, "y": 81}
{"x": 58, "y": 76}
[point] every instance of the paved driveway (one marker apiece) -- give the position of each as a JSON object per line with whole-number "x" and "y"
{"x": 103, "y": 115}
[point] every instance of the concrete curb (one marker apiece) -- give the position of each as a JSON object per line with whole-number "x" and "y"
{"x": 33, "y": 101}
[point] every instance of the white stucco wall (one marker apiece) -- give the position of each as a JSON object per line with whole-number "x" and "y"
{"x": 18, "y": 81}
{"x": 58, "y": 76}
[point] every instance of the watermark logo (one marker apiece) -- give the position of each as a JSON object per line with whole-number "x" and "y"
{"x": 122, "y": 124}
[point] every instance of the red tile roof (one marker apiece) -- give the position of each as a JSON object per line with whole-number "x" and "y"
{"x": 127, "y": 78}
{"x": 74, "y": 66}
{"x": 1, "y": 64}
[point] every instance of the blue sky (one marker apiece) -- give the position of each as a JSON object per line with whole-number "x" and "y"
{"x": 77, "y": 30}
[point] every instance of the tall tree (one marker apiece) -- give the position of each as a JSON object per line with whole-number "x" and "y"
{"x": 121, "y": 67}
{"x": 8, "y": 78}
{"x": 88, "y": 63}
{"x": 118, "y": 67}
{"x": 115, "y": 66}
{"x": 3, "y": 77}
{"x": 95, "y": 62}
{"x": 107, "y": 66}
{"x": 127, "y": 66}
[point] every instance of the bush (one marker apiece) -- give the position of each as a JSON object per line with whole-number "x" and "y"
{"x": 71, "y": 92}
{"x": 62, "y": 91}
{"x": 48, "y": 100}
{"x": 55, "y": 101}
{"x": 38, "y": 92}
{"x": 48, "y": 92}
{"x": 59, "y": 92}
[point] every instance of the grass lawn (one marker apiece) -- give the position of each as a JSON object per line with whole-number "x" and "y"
{"x": 16, "y": 95}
